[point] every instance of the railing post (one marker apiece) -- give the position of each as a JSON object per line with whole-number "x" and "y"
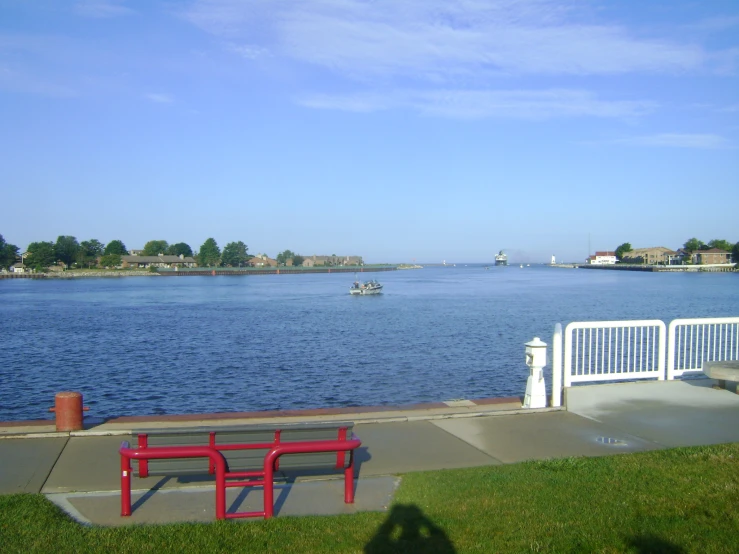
{"x": 567, "y": 364}
{"x": 661, "y": 355}
{"x": 671, "y": 350}
{"x": 557, "y": 366}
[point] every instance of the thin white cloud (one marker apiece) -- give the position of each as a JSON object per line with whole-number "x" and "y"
{"x": 159, "y": 97}
{"x": 248, "y": 51}
{"x": 12, "y": 79}
{"x": 715, "y": 24}
{"x": 422, "y": 38}
{"x": 480, "y": 104}
{"x": 679, "y": 140}
{"x": 102, "y": 9}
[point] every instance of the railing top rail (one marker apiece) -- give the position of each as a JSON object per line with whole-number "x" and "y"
{"x": 703, "y": 321}
{"x": 614, "y": 324}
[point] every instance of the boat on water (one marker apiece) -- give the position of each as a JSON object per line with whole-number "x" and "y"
{"x": 368, "y": 287}
{"x": 501, "y": 258}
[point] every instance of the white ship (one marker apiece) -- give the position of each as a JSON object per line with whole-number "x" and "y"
{"x": 501, "y": 259}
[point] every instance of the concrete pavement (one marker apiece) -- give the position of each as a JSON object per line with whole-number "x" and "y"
{"x": 80, "y": 471}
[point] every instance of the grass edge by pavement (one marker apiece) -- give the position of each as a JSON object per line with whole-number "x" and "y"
{"x": 676, "y": 500}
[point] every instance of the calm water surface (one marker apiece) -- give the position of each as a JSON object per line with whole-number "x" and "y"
{"x": 156, "y": 345}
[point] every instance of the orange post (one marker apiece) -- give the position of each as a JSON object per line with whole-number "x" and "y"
{"x": 68, "y": 409}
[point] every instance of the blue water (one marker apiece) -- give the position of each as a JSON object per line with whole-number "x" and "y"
{"x": 156, "y": 345}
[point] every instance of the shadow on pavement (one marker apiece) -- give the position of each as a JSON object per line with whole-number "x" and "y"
{"x": 408, "y": 530}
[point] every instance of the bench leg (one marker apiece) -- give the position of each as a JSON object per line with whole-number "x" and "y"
{"x": 125, "y": 486}
{"x": 269, "y": 490}
{"x": 349, "y": 484}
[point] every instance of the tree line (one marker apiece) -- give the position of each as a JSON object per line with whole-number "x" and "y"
{"x": 691, "y": 245}
{"x": 94, "y": 254}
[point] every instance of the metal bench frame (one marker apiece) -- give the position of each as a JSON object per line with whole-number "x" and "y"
{"x": 218, "y": 464}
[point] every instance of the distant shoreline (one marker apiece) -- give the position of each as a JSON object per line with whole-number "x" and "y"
{"x": 708, "y": 268}
{"x": 200, "y": 271}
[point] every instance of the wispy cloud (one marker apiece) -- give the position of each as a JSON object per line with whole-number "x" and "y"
{"x": 478, "y": 104}
{"x": 440, "y": 39}
{"x": 18, "y": 81}
{"x": 102, "y": 9}
{"x": 715, "y": 24}
{"x": 159, "y": 97}
{"x": 679, "y": 140}
{"x": 248, "y": 51}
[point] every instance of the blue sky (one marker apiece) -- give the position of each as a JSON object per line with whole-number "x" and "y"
{"x": 422, "y": 130}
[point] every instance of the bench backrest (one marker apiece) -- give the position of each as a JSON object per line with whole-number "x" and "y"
{"x": 251, "y": 459}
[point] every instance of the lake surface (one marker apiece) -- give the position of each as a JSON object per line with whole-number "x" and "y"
{"x": 157, "y": 345}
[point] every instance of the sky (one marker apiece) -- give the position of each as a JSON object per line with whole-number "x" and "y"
{"x": 421, "y": 130}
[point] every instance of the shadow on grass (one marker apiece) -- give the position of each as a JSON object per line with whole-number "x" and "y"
{"x": 649, "y": 544}
{"x": 408, "y": 530}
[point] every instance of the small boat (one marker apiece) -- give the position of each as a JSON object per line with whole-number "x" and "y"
{"x": 368, "y": 287}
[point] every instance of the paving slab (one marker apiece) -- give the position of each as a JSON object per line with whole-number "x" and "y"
{"x": 198, "y": 504}
{"x": 87, "y": 464}
{"x": 26, "y": 463}
{"x": 672, "y": 413}
{"x": 516, "y": 438}
{"x": 389, "y": 448}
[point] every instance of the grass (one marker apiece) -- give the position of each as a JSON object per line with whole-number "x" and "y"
{"x": 672, "y": 501}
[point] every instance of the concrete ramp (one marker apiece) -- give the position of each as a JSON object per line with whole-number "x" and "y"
{"x": 197, "y": 504}
{"x": 668, "y": 413}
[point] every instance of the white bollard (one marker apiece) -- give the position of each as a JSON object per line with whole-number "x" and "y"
{"x": 536, "y": 359}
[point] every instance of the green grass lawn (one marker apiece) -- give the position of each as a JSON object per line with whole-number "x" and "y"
{"x": 672, "y": 501}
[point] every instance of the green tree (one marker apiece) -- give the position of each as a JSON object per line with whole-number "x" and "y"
{"x": 92, "y": 247}
{"x": 298, "y": 260}
{"x": 66, "y": 249}
{"x": 179, "y": 249}
{"x": 735, "y": 254}
{"x": 691, "y": 245}
{"x": 234, "y": 254}
{"x": 720, "y": 244}
{"x": 210, "y": 254}
{"x": 110, "y": 260}
{"x": 282, "y": 257}
{"x": 623, "y": 249}
{"x": 90, "y": 251}
{"x": 8, "y": 253}
{"x": 40, "y": 255}
{"x": 155, "y": 247}
{"x": 116, "y": 247}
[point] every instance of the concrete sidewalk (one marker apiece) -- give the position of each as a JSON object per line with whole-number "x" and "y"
{"x": 80, "y": 471}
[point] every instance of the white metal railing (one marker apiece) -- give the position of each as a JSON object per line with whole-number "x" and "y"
{"x": 557, "y": 366}
{"x": 614, "y": 350}
{"x": 625, "y": 350}
{"x": 694, "y": 341}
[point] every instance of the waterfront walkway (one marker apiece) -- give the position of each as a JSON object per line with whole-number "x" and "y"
{"x": 79, "y": 471}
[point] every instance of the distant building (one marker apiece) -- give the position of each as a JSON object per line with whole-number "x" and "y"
{"x": 602, "y": 258}
{"x": 312, "y": 261}
{"x": 136, "y": 252}
{"x": 712, "y": 256}
{"x": 143, "y": 262}
{"x": 651, "y": 256}
{"x": 261, "y": 260}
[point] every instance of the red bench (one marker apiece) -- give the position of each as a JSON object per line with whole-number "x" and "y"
{"x": 246, "y": 456}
